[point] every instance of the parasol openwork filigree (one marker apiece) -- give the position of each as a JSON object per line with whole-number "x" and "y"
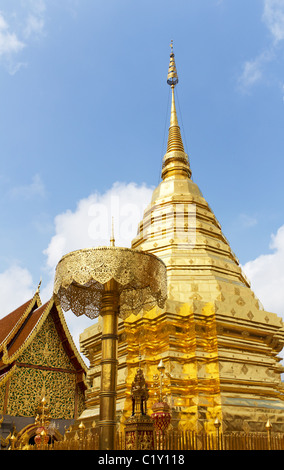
{"x": 81, "y": 275}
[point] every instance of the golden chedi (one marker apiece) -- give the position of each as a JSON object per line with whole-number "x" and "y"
{"x": 219, "y": 346}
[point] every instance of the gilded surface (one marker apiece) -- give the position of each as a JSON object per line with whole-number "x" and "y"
{"x": 112, "y": 282}
{"x": 29, "y": 385}
{"x": 43, "y": 369}
{"x": 81, "y": 275}
{"x": 46, "y": 349}
{"x": 217, "y": 342}
{"x": 220, "y": 347}
{"x": 2, "y": 397}
{"x": 227, "y": 346}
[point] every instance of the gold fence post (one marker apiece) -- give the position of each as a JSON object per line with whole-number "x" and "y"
{"x": 81, "y": 435}
{"x": 13, "y": 441}
{"x": 217, "y": 425}
{"x": 268, "y": 429}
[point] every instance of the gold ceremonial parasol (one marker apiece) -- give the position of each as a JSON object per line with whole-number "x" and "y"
{"x": 112, "y": 282}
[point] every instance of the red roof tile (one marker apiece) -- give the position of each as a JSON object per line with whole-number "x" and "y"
{"x": 25, "y": 330}
{"x": 7, "y": 323}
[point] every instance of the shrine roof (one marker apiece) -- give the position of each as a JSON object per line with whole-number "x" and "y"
{"x": 19, "y": 328}
{"x": 10, "y": 324}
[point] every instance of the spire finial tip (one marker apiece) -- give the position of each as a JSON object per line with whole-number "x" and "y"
{"x": 112, "y": 240}
{"x": 172, "y": 78}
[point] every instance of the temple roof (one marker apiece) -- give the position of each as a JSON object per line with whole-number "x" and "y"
{"x": 19, "y": 328}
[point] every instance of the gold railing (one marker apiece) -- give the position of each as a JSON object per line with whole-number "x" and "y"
{"x": 173, "y": 440}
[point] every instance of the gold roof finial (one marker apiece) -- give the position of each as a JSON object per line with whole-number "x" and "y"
{"x": 112, "y": 240}
{"x": 172, "y": 78}
{"x": 175, "y": 163}
{"x": 38, "y": 287}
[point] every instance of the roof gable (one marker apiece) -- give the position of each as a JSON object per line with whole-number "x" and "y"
{"x": 46, "y": 349}
{"x": 21, "y": 326}
{"x": 11, "y": 323}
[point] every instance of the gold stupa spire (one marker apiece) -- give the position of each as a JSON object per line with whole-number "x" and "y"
{"x": 175, "y": 163}
{"x": 174, "y": 138}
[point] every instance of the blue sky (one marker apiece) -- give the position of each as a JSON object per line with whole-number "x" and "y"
{"x": 84, "y": 112}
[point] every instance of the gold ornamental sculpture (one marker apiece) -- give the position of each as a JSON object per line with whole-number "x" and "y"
{"x": 112, "y": 282}
{"x": 139, "y": 428}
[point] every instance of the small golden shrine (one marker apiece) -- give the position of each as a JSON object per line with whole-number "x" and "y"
{"x": 220, "y": 346}
{"x": 139, "y": 427}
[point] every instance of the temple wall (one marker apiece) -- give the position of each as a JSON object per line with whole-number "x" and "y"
{"x": 43, "y": 369}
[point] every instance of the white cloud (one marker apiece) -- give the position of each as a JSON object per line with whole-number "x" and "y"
{"x": 16, "y": 287}
{"x": 34, "y": 26}
{"x": 267, "y": 275}
{"x": 273, "y": 17}
{"x": 26, "y": 23}
{"x": 9, "y": 42}
{"x": 35, "y": 189}
{"x": 251, "y": 72}
{"x": 35, "y": 21}
{"x": 253, "y": 69}
{"x": 247, "y": 221}
{"x": 90, "y": 224}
